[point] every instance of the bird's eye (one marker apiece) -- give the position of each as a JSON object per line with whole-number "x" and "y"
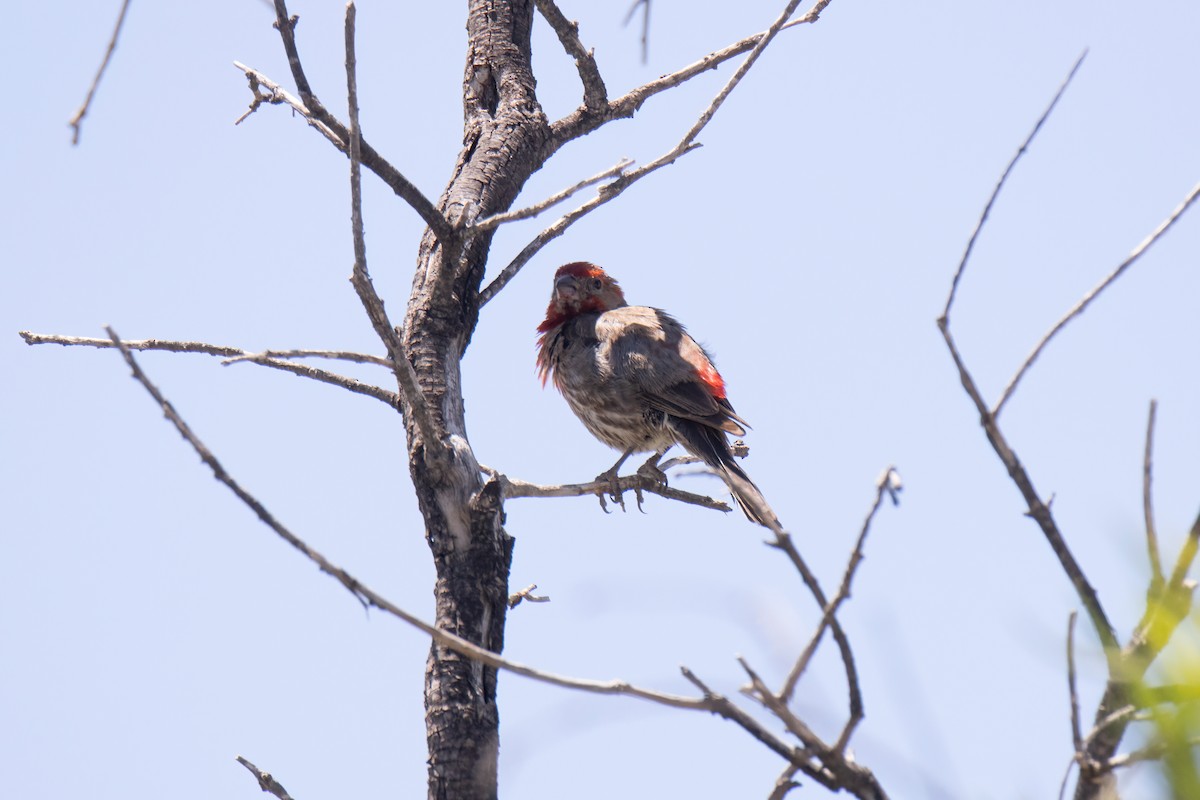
{"x": 597, "y": 284}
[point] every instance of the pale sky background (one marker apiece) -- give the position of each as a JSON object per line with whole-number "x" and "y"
{"x": 153, "y": 629}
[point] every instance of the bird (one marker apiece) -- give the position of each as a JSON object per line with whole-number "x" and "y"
{"x": 639, "y": 382}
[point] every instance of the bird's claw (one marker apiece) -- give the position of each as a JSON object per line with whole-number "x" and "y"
{"x": 613, "y": 490}
{"x": 650, "y": 471}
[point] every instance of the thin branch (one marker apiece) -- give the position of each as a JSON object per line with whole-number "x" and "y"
{"x": 368, "y": 597}
{"x": 337, "y": 355}
{"x": 581, "y": 122}
{"x": 361, "y": 280}
{"x": 235, "y": 354}
{"x": 861, "y": 782}
{"x": 515, "y": 487}
{"x": 532, "y": 211}
{"x": 756, "y": 44}
{"x": 887, "y": 484}
{"x": 723, "y": 707}
{"x": 883, "y": 486}
{"x": 1039, "y": 511}
{"x": 317, "y": 115}
{"x": 1156, "y": 571}
{"x": 835, "y": 769}
{"x": 1079, "y": 307}
{"x": 784, "y": 783}
{"x": 797, "y": 727}
{"x": 266, "y": 781}
{"x": 595, "y": 95}
{"x": 277, "y": 95}
{"x": 76, "y": 121}
{"x": 987, "y": 209}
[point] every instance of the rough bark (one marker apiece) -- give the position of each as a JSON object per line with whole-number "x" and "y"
{"x": 505, "y": 132}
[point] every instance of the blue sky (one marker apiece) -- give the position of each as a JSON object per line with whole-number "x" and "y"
{"x": 154, "y": 629}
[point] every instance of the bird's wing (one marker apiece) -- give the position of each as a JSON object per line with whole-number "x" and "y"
{"x": 652, "y": 353}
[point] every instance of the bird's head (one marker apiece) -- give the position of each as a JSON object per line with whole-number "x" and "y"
{"x": 581, "y": 288}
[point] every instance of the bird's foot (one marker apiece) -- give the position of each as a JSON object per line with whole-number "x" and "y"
{"x": 651, "y": 473}
{"x": 613, "y": 489}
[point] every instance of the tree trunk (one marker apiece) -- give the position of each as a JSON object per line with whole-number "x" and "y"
{"x": 504, "y": 142}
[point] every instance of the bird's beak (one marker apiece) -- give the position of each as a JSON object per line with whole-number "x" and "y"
{"x": 566, "y": 288}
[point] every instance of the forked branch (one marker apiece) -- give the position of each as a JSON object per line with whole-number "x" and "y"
{"x": 1167, "y": 604}
{"x": 625, "y": 107}
{"x": 315, "y": 113}
{"x": 273, "y": 359}
{"x": 76, "y": 122}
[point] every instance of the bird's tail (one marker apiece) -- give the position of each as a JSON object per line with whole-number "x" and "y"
{"x": 711, "y": 446}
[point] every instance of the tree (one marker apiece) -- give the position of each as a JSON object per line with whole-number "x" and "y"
{"x": 434, "y": 336}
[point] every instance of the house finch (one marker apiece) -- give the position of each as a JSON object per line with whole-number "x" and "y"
{"x": 639, "y": 382}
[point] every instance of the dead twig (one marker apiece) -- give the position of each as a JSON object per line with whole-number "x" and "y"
{"x": 595, "y": 95}
{"x": 371, "y": 599}
{"x": 76, "y": 121}
{"x": 1039, "y": 510}
{"x": 515, "y": 487}
{"x": 583, "y": 122}
{"x": 532, "y": 211}
{"x": 315, "y": 113}
{"x": 1087, "y": 299}
{"x": 336, "y": 355}
{"x": 987, "y": 208}
{"x": 887, "y": 485}
{"x": 406, "y": 377}
{"x": 234, "y": 354}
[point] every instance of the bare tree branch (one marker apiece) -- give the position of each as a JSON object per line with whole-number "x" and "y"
{"x": 987, "y": 208}
{"x": 784, "y": 783}
{"x": 1164, "y": 610}
{"x": 278, "y": 95}
{"x": 317, "y": 115}
{"x": 235, "y": 354}
{"x": 361, "y": 280}
{"x": 595, "y": 95}
{"x": 537, "y": 208}
{"x": 76, "y": 121}
{"x": 368, "y": 597}
{"x": 1079, "y": 307}
{"x": 266, "y": 781}
{"x": 783, "y": 541}
{"x": 336, "y": 355}
{"x": 843, "y": 773}
{"x": 606, "y": 192}
{"x": 515, "y": 487}
{"x": 581, "y": 122}
{"x": 1039, "y": 511}
{"x": 886, "y": 484}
